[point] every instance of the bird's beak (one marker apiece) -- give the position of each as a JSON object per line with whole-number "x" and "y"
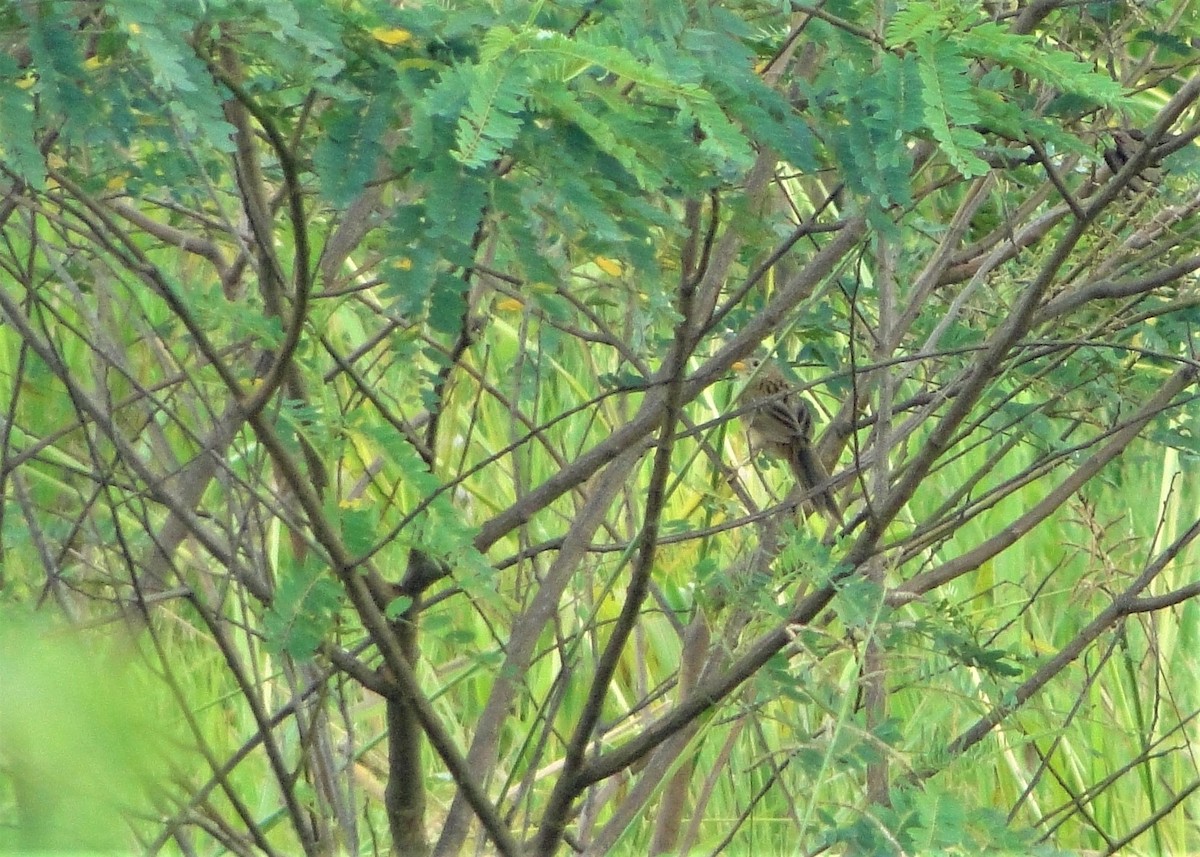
{"x": 739, "y": 366}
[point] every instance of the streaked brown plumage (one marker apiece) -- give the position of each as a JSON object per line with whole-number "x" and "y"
{"x": 780, "y": 422}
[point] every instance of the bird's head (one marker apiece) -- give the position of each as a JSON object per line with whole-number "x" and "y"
{"x": 747, "y": 366}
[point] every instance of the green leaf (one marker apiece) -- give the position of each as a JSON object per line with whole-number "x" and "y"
{"x": 18, "y": 148}
{"x": 914, "y": 22}
{"x": 350, "y": 149}
{"x": 159, "y": 36}
{"x": 880, "y": 110}
{"x": 583, "y": 55}
{"x": 360, "y": 528}
{"x": 949, "y": 106}
{"x": 397, "y": 607}
{"x": 58, "y": 66}
{"x": 859, "y": 602}
{"x": 304, "y": 610}
{"x": 447, "y": 303}
{"x": 1057, "y": 67}
{"x": 491, "y": 121}
{"x": 603, "y": 131}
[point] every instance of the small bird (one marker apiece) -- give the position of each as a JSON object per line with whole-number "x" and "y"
{"x": 781, "y": 423}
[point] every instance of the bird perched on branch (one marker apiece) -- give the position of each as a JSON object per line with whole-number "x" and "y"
{"x": 1126, "y": 143}
{"x": 780, "y": 422}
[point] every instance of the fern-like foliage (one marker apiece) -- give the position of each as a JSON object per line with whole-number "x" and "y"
{"x": 491, "y": 120}
{"x": 915, "y": 21}
{"x": 950, "y": 108}
{"x": 880, "y": 112}
{"x": 303, "y": 612}
{"x": 963, "y": 64}
{"x": 991, "y": 42}
{"x": 559, "y": 70}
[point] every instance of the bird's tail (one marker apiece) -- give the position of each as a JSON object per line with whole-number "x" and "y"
{"x": 810, "y": 473}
